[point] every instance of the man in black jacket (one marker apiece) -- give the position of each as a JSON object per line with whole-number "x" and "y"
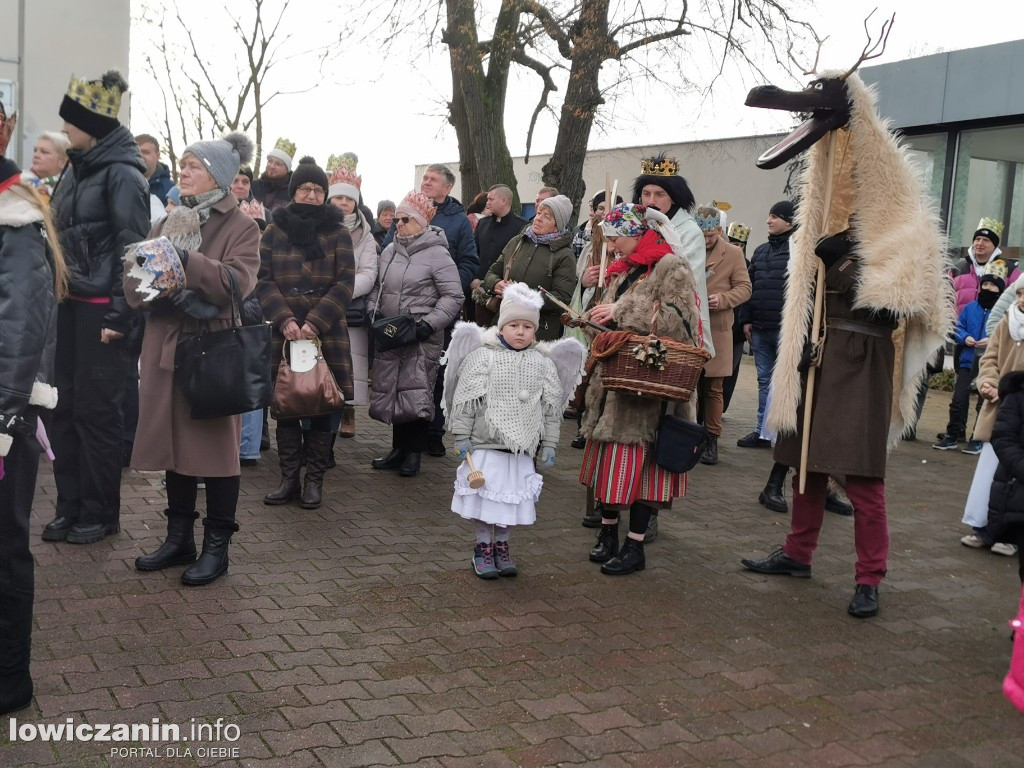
{"x": 100, "y": 206}
{"x": 493, "y": 232}
{"x": 762, "y": 314}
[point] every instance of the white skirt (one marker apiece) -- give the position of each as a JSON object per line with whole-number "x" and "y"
{"x": 509, "y": 495}
{"x": 976, "y": 508}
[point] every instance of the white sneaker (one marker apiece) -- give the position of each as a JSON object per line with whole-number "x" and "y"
{"x": 974, "y": 541}
{"x": 1001, "y": 548}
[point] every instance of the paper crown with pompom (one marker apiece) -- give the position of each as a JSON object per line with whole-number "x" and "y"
{"x": 103, "y": 96}
{"x": 988, "y": 222}
{"x": 997, "y": 268}
{"x": 347, "y": 160}
{"x": 739, "y": 232}
{"x": 520, "y": 302}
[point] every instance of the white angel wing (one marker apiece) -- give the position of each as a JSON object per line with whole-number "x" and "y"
{"x": 466, "y": 338}
{"x": 569, "y": 357}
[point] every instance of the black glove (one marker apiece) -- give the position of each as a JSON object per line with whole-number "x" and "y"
{"x": 834, "y": 247}
{"x": 183, "y": 255}
{"x": 423, "y": 330}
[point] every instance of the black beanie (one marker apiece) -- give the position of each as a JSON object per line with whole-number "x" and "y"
{"x": 599, "y": 198}
{"x": 93, "y": 106}
{"x": 989, "y": 233}
{"x": 245, "y": 170}
{"x": 784, "y": 210}
{"x": 995, "y": 280}
{"x": 308, "y": 172}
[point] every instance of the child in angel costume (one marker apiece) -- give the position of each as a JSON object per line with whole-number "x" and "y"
{"x": 504, "y": 395}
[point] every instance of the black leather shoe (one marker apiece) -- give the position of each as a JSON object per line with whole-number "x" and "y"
{"x": 392, "y": 461}
{"x": 593, "y": 520}
{"x": 435, "y": 446}
{"x": 778, "y": 562}
{"x": 629, "y": 559}
{"x": 91, "y": 532}
{"x": 17, "y": 695}
{"x": 753, "y": 440}
{"x": 710, "y": 454}
{"x": 771, "y": 498}
{"x": 579, "y": 441}
{"x": 865, "y": 602}
{"x": 607, "y": 544}
{"x": 411, "y": 466}
{"x": 57, "y": 529}
{"x": 834, "y": 504}
{"x": 179, "y": 547}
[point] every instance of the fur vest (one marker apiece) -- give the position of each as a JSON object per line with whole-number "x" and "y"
{"x": 874, "y": 182}
{"x": 617, "y": 416}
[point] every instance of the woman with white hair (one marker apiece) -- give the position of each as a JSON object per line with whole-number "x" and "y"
{"x": 49, "y": 158}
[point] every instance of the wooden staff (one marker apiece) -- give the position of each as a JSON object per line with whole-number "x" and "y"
{"x": 819, "y": 308}
{"x": 575, "y": 317}
{"x": 604, "y": 243}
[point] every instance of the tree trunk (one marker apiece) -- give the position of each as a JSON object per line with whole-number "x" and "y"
{"x": 582, "y": 99}
{"x": 477, "y": 107}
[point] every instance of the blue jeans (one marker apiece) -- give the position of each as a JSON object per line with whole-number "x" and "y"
{"x": 252, "y": 432}
{"x": 765, "y": 346}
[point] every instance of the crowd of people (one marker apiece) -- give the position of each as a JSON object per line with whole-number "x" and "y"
{"x": 297, "y": 248}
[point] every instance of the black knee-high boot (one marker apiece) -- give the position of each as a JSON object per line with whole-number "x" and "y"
{"x": 631, "y": 556}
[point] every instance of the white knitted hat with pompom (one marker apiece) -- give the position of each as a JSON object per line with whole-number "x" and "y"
{"x": 520, "y": 302}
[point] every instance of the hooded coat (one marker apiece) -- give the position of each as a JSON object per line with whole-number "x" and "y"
{"x": 450, "y": 216}
{"x": 273, "y": 193}
{"x": 875, "y": 182}
{"x": 967, "y": 275}
{"x": 728, "y": 279}
{"x": 307, "y": 273}
{"x": 418, "y": 278}
{"x": 1002, "y": 356}
{"x": 102, "y": 205}
{"x": 366, "y": 253}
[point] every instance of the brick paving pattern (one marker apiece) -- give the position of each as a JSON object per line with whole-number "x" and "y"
{"x": 357, "y": 635}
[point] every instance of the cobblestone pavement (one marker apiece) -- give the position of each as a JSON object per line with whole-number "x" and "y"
{"x": 357, "y": 635}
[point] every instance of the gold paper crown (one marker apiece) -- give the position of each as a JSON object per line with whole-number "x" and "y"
{"x": 987, "y": 222}
{"x": 997, "y": 268}
{"x": 345, "y": 175}
{"x": 286, "y": 146}
{"x": 347, "y": 160}
{"x": 94, "y": 97}
{"x": 739, "y": 232}
{"x": 659, "y": 166}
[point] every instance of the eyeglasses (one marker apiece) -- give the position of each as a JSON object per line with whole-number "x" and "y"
{"x": 403, "y": 219}
{"x": 311, "y": 189}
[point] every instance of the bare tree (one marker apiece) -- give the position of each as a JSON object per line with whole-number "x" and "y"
{"x": 206, "y": 91}
{"x": 574, "y": 42}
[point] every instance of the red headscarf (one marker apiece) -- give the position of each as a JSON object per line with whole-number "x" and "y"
{"x": 649, "y": 249}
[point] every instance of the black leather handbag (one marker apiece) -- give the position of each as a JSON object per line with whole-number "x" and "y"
{"x": 355, "y": 313}
{"x": 226, "y": 372}
{"x": 679, "y": 443}
{"x": 391, "y": 332}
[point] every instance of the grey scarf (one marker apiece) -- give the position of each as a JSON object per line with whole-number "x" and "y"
{"x": 183, "y": 223}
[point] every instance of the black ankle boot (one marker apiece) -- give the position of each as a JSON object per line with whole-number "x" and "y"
{"x": 607, "y": 544}
{"x": 179, "y": 548}
{"x": 16, "y": 694}
{"x": 392, "y": 461}
{"x": 629, "y": 559}
{"x": 213, "y": 562}
{"x": 411, "y": 465}
{"x": 772, "y": 496}
{"x": 710, "y": 454}
{"x": 289, "y": 454}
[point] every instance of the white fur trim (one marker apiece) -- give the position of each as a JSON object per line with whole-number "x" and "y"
{"x": 16, "y": 211}
{"x": 43, "y": 395}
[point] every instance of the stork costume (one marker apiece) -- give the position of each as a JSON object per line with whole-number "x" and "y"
{"x": 884, "y": 315}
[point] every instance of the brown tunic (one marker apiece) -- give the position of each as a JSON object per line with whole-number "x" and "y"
{"x": 853, "y": 389}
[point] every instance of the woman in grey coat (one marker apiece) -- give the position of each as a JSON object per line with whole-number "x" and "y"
{"x": 416, "y": 275}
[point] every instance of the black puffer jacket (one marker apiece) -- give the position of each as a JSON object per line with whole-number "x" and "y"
{"x": 1006, "y": 499}
{"x": 102, "y": 205}
{"x": 768, "y": 270}
{"x": 28, "y": 310}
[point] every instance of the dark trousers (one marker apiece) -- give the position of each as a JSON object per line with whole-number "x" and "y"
{"x": 17, "y": 586}
{"x": 437, "y": 425}
{"x": 316, "y": 423}
{"x": 410, "y": 436}
{"x": 221, "y": 497}
{"x": 87, "y": 423}
{"x": 961, "y": 402}
{"x": 130, "y": 410}
{"x": 729, "y": 385}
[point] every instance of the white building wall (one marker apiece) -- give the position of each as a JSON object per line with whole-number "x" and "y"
{"x": 55, "y": 39}
{"x": 721, "y": 169}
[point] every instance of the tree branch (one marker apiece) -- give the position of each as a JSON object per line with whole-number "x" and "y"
{"x": 551, "y": 25}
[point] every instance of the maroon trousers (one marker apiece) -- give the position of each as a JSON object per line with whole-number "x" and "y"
{"x": 870, "y": 527}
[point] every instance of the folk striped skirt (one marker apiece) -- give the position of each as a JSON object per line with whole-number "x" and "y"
{"x": 621, "y": 474}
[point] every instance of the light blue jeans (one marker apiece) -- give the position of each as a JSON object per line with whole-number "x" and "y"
{"x": 252, "y": 432}
{"x": 765, "y": 346}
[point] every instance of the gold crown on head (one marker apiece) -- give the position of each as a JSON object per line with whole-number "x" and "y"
{"x": 286, "y": 146}
{"x": 659, "y": 166}
{"x": 345, "y": 175}
{"x": 94, "y": 97}
{"x": 997, "y": 268}
{"x": 987, "y": 222}
{"x": 347, "y": 160}
{"x": 739, "y": 232}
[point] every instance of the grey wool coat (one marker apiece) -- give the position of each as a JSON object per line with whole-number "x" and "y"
{"x": 307, "y": 273}
{"x": 421, "y": 279}
{"x": 618, "y": 417}
{"x": 168, "y": 438}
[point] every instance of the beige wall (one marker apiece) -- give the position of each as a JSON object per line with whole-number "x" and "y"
{"x": 61, "y": 38}
{"x": 721, "y": 169}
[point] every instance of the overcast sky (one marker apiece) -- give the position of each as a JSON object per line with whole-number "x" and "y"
{"x": 389, "y": 110}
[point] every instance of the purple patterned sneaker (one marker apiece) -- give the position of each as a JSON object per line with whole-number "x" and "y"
{"x": 503, "y": 559}
{"x": 483, "y": 561}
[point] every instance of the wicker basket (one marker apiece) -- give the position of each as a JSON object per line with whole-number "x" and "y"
{"x": 621, "y": 371}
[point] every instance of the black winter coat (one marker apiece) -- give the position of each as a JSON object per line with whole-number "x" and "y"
{"x": 492, "y": 235}
{"x": 28, "y": 309}
{"x": 1006, "y": 500}
{"x": 102, "y": 205}
{"x": 768, "y": 270}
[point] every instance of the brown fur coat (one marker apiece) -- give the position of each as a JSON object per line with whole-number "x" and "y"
{"x": 616, "y": 416}
{"x": 900, "y": 246}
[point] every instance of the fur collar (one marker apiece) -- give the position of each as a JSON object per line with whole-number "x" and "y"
{"x": 900, "y": 246}
{"x": 16, "y": 211}
{"x": 302, "y": 231}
